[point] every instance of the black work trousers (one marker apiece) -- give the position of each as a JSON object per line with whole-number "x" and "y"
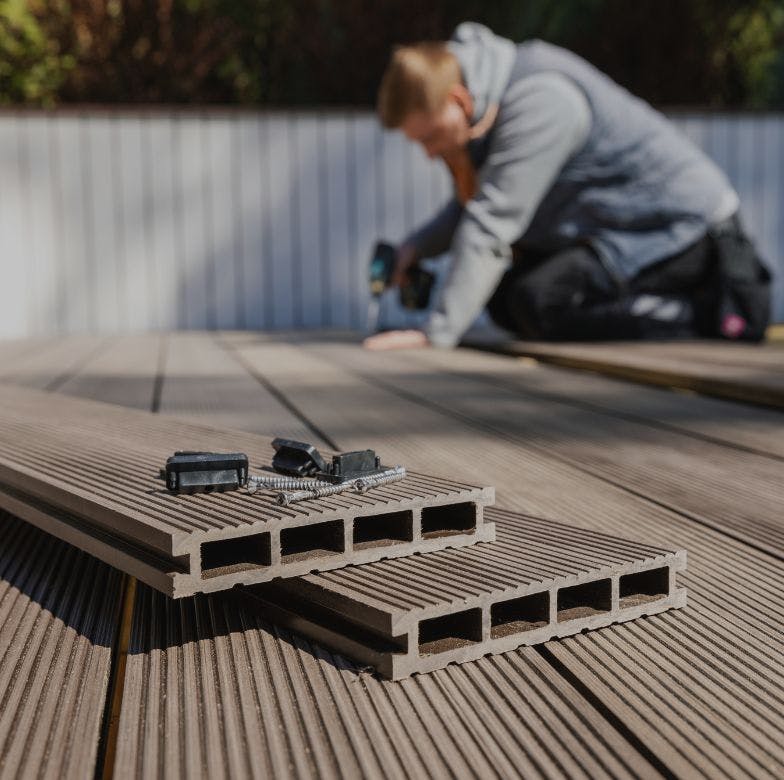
{"x": 569, "y": 295}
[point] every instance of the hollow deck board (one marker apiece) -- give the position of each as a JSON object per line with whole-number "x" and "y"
{"x": 98, "y": 463}
{"x": 213, "y": 688}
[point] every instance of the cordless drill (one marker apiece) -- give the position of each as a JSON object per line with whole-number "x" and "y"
{"x": 415, "y": 290}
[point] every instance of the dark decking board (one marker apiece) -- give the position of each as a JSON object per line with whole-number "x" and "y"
{"x": 212, "y": 690}
{"x": 696, "y": 692}
{"x": 59, "y": 613}
{"x": 721, "y": 370}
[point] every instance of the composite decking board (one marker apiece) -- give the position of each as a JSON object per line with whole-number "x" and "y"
{"x": 123, "y": 372}
{"x": 575, "y": 711}
{"x": 768, "y": 356}
{"x": 41, "y": 363}
{"x": 59, "y": 611}
{"x": 685, "y": 473}
{"x": 723, "y": 357}
{"x": 757, "y": 385}
{"x": 200, "y": 376}
{"x": 531, "y": 558}
{"x": 212, "y": 689}
{"x": 723, "y": 421}
{"x": 527, "y": 550}
{"x": 12, "y": 351}
{"x": 742, "y": 613}
{"x": 99, "y": 463}
{"x": 728, "y": 637}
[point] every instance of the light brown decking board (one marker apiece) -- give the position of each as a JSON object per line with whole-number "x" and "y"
{"x": 674, "y": 468}
{"x": 540, "y": 580}
{"x": 98, "y": 463}
{"x": 713, "y": 369}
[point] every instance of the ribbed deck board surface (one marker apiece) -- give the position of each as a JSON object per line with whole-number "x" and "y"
{"x": 59, "y": 612}
{"x": 698, "y": 692}
{"x": 99, "y": 463}
{"x": 205, "y": 383}
{"x": 121, "y": 371}
{"x": 748, "y": 373}
{"x": 525, "y": 552}
{"x": 687, "y": 474}
{"x": 732, "y": 424}
{"x": 46, "y": 364}
{"x": 382, "y": 615}
{"x": 212, "y": 690}
{"x": 738, "y": 611}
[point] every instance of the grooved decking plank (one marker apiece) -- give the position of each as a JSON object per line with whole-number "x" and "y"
{"x": 540, "y": 580}
{"x": 726, "y": 422}
{"x": 42, "y": 363}
{"x": 298, "y": 708}
{"x": 766, "y": 356}
{"x": 59, "y": 611}
{"x": 204, "y": 383}
{"x": 98, "y": 463}
{"x": 213, "y": 690}
{"x": 728, "y": 639}
{"x": 736, "y": 492}
{"x": 723, "y": 375}
{"x": 516, "y": 712}
{"x": 123, "y": 372}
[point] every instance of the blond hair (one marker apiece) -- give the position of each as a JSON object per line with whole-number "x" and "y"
{"x": 417, "y": 78}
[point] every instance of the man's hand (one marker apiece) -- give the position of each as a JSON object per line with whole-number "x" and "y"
{"x": 396, "y": 339}
{"x": 406, "y": 257}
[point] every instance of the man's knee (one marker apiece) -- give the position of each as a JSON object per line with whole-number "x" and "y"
{"x": 540, "y": 301}
{"x": 533, "y": 308}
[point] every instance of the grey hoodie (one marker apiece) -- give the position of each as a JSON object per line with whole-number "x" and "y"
{"x": 571, "y": 158}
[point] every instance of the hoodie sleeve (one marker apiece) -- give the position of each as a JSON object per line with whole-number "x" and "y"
{"x": 435, "y": 236}
{"x": 543, "y": 120}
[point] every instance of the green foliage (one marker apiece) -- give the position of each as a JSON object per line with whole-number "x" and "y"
{"x": 757, "y": 51}
{"x": 724, "y": 53}
{"x": 32, "y": 66}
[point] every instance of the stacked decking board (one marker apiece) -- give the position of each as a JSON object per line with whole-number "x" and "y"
{"x": 540, "y": 580}
{"x": 88, "y": 472}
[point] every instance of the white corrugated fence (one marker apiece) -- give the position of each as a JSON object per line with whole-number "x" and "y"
{"x": 131, "y": 220}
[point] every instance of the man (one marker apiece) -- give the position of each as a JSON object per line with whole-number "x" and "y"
{"x": 579, "y": 211}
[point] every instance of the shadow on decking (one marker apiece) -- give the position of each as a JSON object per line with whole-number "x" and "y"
{"x": 219, "y": 627}
{"x": 50, "y": 579}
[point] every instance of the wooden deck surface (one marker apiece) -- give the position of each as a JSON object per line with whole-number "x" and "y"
{"x": 203, "y": 687}
{"x": 740, "y": 372}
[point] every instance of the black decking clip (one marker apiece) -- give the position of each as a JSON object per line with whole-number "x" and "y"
{"x": 300, "y": 459}
{"x": 205, "y": 472}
